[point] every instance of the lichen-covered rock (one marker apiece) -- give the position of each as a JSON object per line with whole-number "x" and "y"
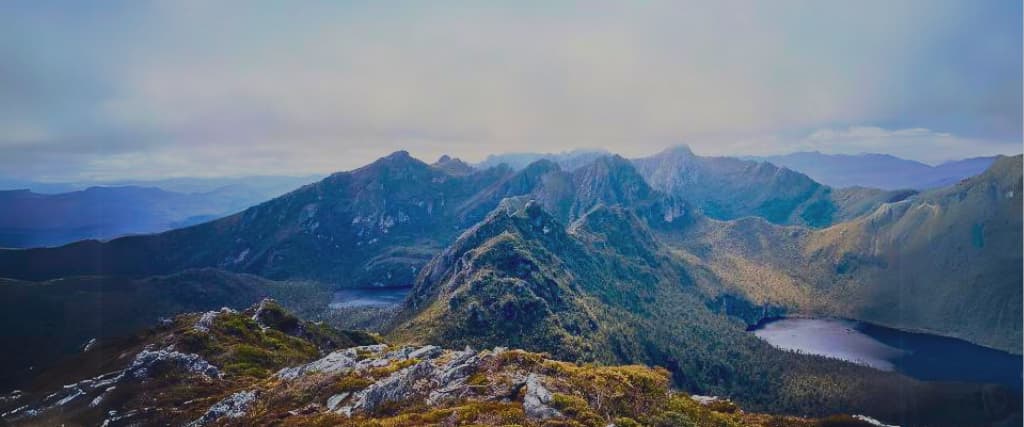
{"x": 146, "y": 364}
{"x": 536, "y": 401}
{"x": 149, "y": 363}
{"x": 206, "y": 320}
{"x": 234, "y": 406}
{"x": 334, "y": 401}
{"x": 339, "y": 362}
{"x": 401, "y": 386}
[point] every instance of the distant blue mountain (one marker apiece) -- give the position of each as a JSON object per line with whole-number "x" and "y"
{"x": 878, "y": 170}
{"x": 53, "y": 214}
{"x": 267, "y": 185}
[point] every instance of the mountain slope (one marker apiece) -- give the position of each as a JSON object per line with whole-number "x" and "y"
{"x": 604, "y": 289}
{"x": 729, "y": 188}
{"x": 369, "y": 227}
{"x": 263, "y": 366}
{"x": 878, "y": 170}
{"x": 946, "y": 261}
{"x": 50, "y": 320}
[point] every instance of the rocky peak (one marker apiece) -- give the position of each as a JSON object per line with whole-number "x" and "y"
{"x": 608, "y": 180}
{"x": 397, "y": 162}
{"x": 453, "y": 166}
{"x": 400, "y": 155}
{"x": 681, "y": 151}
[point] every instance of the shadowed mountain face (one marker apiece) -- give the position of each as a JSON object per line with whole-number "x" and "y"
{"x": 729, "y": 188}
{"x": 368, "y": 227}
{"x": 661, "y": 261}
{"x": 374, "y": 226}
{"x": 878, "y": 170}
{"x": 48, "y": 321}
{"x": 379, "y": 225}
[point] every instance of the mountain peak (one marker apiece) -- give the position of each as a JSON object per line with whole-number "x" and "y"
{"x": 400, "y": 154}
{"x": 399, "y": 159}
{"x": 678, "y": 150}
{"x": 609, "y": 180}
{"x": 453, "y": 165}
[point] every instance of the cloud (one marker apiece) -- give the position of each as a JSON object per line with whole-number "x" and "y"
{"x": 188, "y": 88}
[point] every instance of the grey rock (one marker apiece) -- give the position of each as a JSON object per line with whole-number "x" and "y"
{"x": 147, "y": 362}
{"x": 536, "y": 401}
{"x": 337, "y": 362}
{"x": 235, "y": 406}
{"x": 426, "y": 352}
{"x": 400, "y": 386}
{"x": 705, "y": 400}
{"x": 334, "y": 401}
{"x": 205, "y": 321}
{"x": 261, "y": 311}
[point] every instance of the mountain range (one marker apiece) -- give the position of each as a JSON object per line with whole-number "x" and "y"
{"x": 663, "y": 260}
{"x": 878, "y": 170}
{"x": 42, "y": 218}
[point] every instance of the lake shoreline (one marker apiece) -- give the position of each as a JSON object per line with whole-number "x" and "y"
{"x": 918, "y": 331}
{"x": 926, "y": 357}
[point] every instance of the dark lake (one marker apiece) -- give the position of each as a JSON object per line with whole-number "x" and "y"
{"x": 368, "y": 297}
{"x": 922, "y": 356}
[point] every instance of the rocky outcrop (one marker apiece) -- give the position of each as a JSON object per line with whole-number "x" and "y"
{"x": 399, "y": 387}
{"x": 341, "y": 361}
{"x": 145, "y": 365}
{"x": 537, "y": 399}
{"x": 168, "y": 384}
{"x": 149, "y": 363}
{"x": 234, "y": 406}
{"x": 205, "y": 321}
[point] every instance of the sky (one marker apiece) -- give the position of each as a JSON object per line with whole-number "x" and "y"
{"x": 143, "y": 90}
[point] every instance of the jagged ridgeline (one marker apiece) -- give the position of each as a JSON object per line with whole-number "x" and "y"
{"x": 263, "y": 366}
{"x": 662, "y": 261}
{"x": 374, "y": 226}
{"x": 605, "y": 290}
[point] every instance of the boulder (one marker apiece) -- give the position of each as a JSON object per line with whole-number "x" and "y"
{"x": 537, "y": 399}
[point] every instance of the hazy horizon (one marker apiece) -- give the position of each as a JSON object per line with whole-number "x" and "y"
{"x": 474, "y": 162}
{"x": 134, "y": 90}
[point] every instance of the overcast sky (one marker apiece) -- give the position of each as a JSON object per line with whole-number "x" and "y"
{"x": 207, "y": 88}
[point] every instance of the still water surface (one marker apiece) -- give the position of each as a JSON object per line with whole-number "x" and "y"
{"x": 922, "y": 356}
{"x": 368, "y": 297}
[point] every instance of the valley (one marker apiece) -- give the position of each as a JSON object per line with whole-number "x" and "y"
{"x": 662, "y": 261}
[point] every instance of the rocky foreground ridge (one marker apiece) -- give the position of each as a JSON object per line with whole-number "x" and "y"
{"x": 263, "y": 366}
